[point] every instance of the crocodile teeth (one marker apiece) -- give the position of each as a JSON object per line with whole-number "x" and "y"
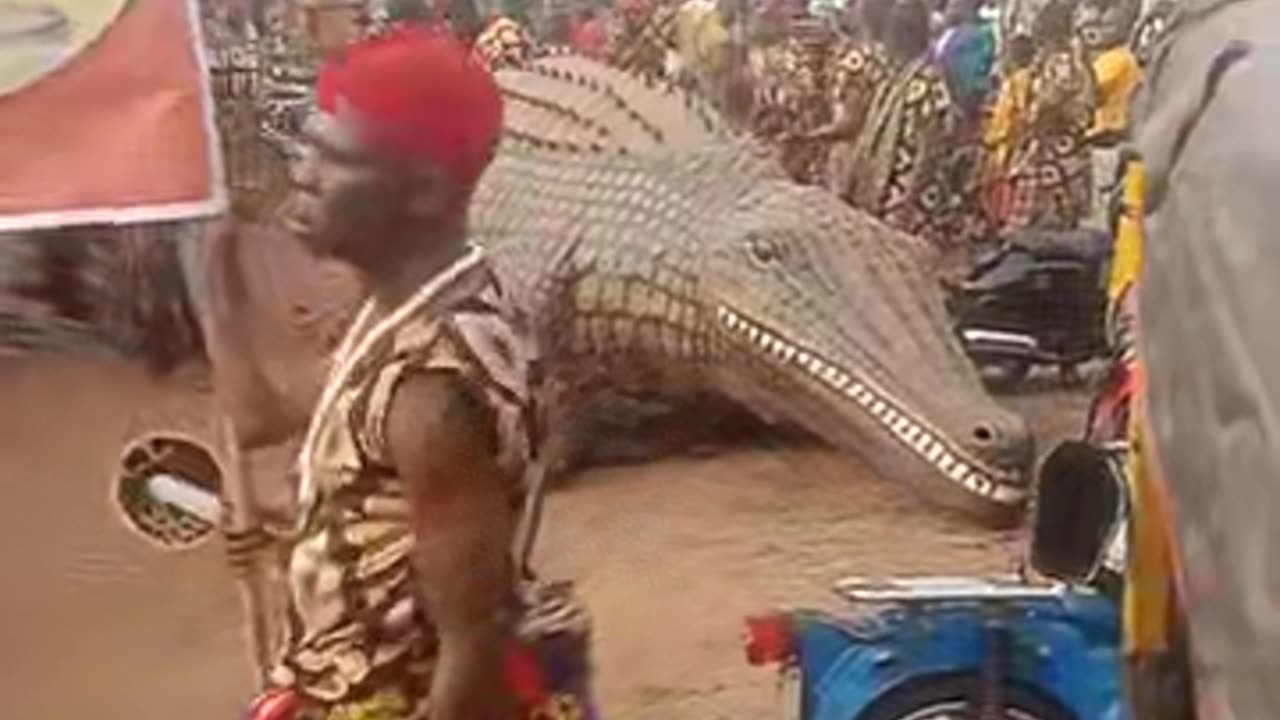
{"x": 924, "y": 442}
{"x": 914, "y": 436}
{"x": 946, "y": 462}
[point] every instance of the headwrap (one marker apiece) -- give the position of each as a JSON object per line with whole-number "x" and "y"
{"x": 419, "y": 95}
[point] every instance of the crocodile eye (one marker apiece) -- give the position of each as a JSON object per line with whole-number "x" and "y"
{"x": 764, "y": 250}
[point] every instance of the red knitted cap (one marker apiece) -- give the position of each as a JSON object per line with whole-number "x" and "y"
{"x": 419, "y": 96}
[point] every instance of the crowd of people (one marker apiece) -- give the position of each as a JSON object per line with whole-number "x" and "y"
{"x": 949, "y": 120}
{"x": 954, "y": 131}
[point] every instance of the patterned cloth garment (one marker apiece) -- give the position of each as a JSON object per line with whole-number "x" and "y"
{"x": 1050, "y": 168}
{"x": 504, "y": 43}
{"x": 1004, "y": 127}
{"x": 261, "y": 85}
{"x": 1101, "y": 24}
{"x": 359, "y": 643}
{"x": 1152, "y": 30}
{"x": 794, "y": 99}
{"x": 904, "y": 148}
{"x": 858, "y": 71}
{"x": 235, "y": 78}
{"x": 642, "y": 36}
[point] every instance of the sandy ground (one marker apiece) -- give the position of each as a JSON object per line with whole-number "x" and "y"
{"x": 670, "y": 556}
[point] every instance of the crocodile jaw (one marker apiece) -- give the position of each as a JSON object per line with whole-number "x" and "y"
{"x": 948, "y": 459}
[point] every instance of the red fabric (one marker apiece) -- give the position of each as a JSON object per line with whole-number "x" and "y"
{"x": 998, "y": 201}
{"x": 524, "y": 675}
{"x": 419, "y": 96}
{"x": 590, "y": 38}
{"x": 278, "y": 704}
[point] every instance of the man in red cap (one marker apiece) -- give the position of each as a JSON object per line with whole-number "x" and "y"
{"x": 404, "y": 593}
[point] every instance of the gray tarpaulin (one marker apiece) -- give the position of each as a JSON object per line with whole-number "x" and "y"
{"x": 1210, "y": 303}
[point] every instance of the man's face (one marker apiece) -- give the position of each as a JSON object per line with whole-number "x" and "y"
{"x": 343, "y": 197}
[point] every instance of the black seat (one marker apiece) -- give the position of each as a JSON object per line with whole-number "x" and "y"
{"x": 1090, "y": 246}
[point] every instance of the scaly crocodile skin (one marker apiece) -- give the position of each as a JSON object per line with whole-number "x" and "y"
{"x": 683, "y": 261}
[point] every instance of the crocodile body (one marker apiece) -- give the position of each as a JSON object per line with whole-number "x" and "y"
{"x": 656, "y": 254}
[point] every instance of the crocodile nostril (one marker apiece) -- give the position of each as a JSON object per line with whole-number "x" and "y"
{"x": 984, "y": 434}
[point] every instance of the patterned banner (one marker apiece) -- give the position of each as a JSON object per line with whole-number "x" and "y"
{"x": 105, "y": 114}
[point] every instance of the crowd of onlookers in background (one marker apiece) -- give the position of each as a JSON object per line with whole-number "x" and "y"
{"x": 954, "y": 120}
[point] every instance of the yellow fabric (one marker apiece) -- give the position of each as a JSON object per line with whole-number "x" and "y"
{"x": 1150, "y": 578}
{"x": 1007, "y": 115}
{"x": 1126, "y": 261}
{"x": 1117, "y": 74}
{"x": 1150, "y": 573}
{"x": 701, "y": 37}
{"x": 381, "y": 706}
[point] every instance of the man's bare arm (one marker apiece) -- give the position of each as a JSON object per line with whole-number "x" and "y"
{"x": 442, "y": 442}
{"x": 261, "y": 414}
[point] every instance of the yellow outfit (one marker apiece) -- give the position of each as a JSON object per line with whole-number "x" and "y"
{"x": 1117, "y": 74}
{"x": 1009, "y": 111}
{"x": 1126, "y": 262}
{"x": 1150, "y": 574}
{"x": 701, "y": 38}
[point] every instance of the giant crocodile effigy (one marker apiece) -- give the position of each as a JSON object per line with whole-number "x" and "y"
{"x": 656, "y": 253}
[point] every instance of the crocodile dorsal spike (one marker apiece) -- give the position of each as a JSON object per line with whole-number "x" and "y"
{"x": 567, "y": 105}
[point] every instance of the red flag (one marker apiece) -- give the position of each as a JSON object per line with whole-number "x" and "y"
{"x": 106, "y": 114}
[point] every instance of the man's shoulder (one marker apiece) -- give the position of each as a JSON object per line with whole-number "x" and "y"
{"x": 480, "y": 326}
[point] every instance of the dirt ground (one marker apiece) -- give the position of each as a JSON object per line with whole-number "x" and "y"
{"x": 670, "y": 556}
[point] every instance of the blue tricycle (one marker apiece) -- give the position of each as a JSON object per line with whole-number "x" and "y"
{"x": 970, "y": 649}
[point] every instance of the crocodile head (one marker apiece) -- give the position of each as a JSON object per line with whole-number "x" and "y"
{"x": 830, "y": 320}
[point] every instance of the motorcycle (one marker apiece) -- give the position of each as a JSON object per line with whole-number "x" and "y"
{"x": 967, "y": 648}
{"x": 1040, "y": 298}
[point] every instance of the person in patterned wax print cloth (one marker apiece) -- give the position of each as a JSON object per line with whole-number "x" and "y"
{"x": 504, "y": 43}
{"x": 793, "y": 99}
{"x": 906, "y": 140}
{"x": 407, "y": 599}
{"x": 1051, "y": 173}
{"x": 860, "y": 66}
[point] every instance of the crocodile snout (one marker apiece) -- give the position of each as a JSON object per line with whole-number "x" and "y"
{"x": 1004, "y": 442}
